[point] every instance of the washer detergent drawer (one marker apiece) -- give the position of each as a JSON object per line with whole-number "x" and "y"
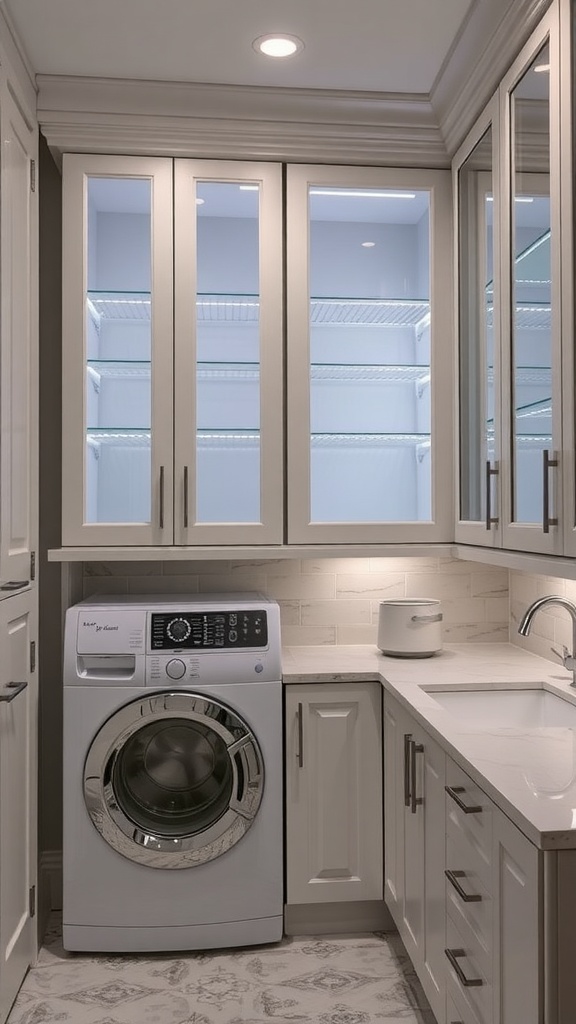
{"x": 107, "y": 668}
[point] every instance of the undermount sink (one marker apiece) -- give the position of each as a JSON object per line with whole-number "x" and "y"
{"x": 532, "y": 709}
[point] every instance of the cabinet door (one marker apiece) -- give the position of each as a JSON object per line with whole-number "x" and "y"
{"x": 531, "y": 309}
{"x": 228, "y": 353}
{"x": 477, "y": 218}
{"x": 369, "y": 355}
{"x": 334, "y": 793}
{"x": 396, "y": 736}
{"x": 518, "y": 951}
{"x": 18, "y": 770}
{"x": 19, "y": 345}
{"x": 117, "y": 473}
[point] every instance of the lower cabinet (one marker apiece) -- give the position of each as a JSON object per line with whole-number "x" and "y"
{"x": 18, "y": 772}
{"x": 414, "y": 768}
{"x": 463, "y": 885}
{"x": 334, "y": 792}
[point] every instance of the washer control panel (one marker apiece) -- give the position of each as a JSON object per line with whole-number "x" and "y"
{"x": 202, "y": 631}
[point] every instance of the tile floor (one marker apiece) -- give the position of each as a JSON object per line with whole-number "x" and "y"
{"x": 351, "y": 979}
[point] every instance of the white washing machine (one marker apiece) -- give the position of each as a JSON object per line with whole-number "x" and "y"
{"x": 173, "y": 826}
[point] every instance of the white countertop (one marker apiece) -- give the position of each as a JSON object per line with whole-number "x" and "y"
{"x": 529, "y": 772}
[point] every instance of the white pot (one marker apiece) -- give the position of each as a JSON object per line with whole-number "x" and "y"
{"x": 410, "y": 628}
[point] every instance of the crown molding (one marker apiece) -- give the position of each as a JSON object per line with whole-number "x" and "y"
{"x": 18, "y": 70}
{"x": 469, "y": 79}
{"x": 249, "y": 122}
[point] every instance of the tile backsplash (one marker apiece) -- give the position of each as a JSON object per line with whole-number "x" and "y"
{"x": 552, "y": 626}
{"x": 330, "y": 600}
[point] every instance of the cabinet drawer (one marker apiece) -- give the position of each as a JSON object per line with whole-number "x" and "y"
{"x": 469, "y": 812}
{"x": 474, "y": 923}
{"x": 464, "y": 849}
{"x": 465, "y": 968}
{"x": 457, "y": 1010}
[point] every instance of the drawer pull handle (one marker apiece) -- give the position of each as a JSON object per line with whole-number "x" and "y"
{"x": 453, "y": 956}
{"x": 161, "y": 501}
{"x": 416, "y": 748}
{"x": 466, "y": 897}
{"x": 453, "y": 791}
{"x": 300, "y": 754}
{"x": 185, "y": 497}
{"x": 407, "y": 745}
{"x": 15, "y": 689}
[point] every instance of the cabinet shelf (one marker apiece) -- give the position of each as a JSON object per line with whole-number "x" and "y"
{"x": 98, "y": 437}
{"x": 524, "y": 375}
{"x": 222, "y": 308}
{"x": 420, "y": 442}
{"x": 528, "y": 316}
{"x": 398, "y": 374}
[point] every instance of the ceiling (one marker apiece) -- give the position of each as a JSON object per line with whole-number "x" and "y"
{"x": 385, "y": 46}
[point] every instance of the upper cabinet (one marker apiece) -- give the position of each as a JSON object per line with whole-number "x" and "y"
{"x": 514, "y": 343}
{"x": 369, "y": 355}
{"x": 172, "y": 352}
{"x": 175, "y": 341}
{"x": 18, "y": 345}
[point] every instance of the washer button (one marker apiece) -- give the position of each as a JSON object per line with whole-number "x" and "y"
{"x": 175, "y": 668}
{"x": 259, "y": 667}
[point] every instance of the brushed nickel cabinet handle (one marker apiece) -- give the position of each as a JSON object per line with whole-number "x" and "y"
{"x": 15, "y": 689}
{"x": 454, "y": 792}
{"x": 161, "y": 515}
{"x": 407, "y": 746}
{"x": 185, "y": 497}
{"x": 416, "y": 748}
{"x": 547, "y": 464}
{"x": 490, "y": 472}
{"x": 300, "y": 754}
{"x": 453, "y": 956}
{"x": 466, "y": 897}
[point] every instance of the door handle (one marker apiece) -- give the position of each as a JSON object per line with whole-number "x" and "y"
{"x": 161, "y": 512}
{"x": 547, "y": 464}
{"x": 300, "y": 754}
{"x": 185, "y": 497}
{"x": 490, "y": 472}
{"x": 416, "y": 748}
{"x": 15, "y": 689}
{"x": 453, "y": 956}
{"x": 407, "y": 746}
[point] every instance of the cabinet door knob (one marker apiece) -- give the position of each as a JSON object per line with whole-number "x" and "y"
{"x": 454, "y": 792}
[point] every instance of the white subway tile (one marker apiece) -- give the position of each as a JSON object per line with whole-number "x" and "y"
{"x": 325, "y": 613}
{"x": 104, "y": 585}
{"x": 308, "y": 636}
{"x": 450, "y": 585}
{"x": 356, "y": 634}
{"x": 163, "y": 585}
{"x": 492, "y": 583}
{"x": 301, "y": 587}
{"x": 195, "y": 567}
{"x": 289, "y": 613}
{"x": 371, "y": 585}
{"x": 465, "y": 609}
{"x": 250, "y": 583}
{"x": 497, "y": 609}
{"x": 473, "y": 632}
{"x": 334, "y": 565}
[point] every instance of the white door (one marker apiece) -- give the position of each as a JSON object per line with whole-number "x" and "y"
{"x": 228, "y": 428}
{"x": 18, "y": 346}
{"x": 18, "y": 810}
{"x": 369, "y": 355}
{"x": 117, "y": 471}
{"x": 334, "y": 793}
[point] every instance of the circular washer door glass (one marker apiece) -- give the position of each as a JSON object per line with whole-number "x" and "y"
{"x": 173, "y": 780}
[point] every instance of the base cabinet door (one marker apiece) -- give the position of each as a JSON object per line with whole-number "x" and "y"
{"x": 334, "y": 792}
{"x": 18, "y": 744}
{"x": 414, "y": 846}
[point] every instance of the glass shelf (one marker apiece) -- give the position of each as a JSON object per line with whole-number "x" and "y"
{"x": 222, "y": 308}
{"x": 524, "y": 375}
{"x": 98, "y": 437}
{"x": 118, "y": 369}
{"x": 341, "y": 440}
{"x": 528, "y": 316}
{"x": 363, "y": 371}
{"x": 533, "y": 410}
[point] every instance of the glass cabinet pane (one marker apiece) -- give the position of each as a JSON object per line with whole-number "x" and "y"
{"x": 228, "y": 353}
{"x": 476, "y": 327}
{"x": 369, "y": 322}
{"x": 531, "y": 291}
{"x": 118, "y": 351}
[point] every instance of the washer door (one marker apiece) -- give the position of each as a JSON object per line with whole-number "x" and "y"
{"x": 173, "y": 779}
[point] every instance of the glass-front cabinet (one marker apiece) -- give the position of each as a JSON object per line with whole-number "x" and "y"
{"x": 506, "y": 184}
{"x": 368, "y": 355}
{"x": 172, "y": 352}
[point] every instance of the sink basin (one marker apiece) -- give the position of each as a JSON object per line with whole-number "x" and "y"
{"x": 532, "y": 709}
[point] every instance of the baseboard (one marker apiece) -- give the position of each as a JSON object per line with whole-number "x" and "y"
{"x": 333, "y": 918}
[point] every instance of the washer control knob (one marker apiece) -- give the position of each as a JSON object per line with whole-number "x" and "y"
{"x": 178, "y": 629}
{"x": 175, "y": 668}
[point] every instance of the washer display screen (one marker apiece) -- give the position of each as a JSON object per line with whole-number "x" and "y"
{"x": 209, "y": 630}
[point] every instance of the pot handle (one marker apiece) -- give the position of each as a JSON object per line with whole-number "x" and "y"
{"x": 427, "y": 618}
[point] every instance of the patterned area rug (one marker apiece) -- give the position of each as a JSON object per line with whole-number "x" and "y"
{"x": 349, "y": 979}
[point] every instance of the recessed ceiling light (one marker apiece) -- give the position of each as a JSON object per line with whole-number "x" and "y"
{"x": 368, "y": 245}
{"x": 199, "y": 202}
{"x": 541, "y": 67}
{"x": 361, "y": 193}
{"x": 278, "y": 45}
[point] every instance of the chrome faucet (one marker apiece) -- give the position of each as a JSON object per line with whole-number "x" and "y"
{"x": 568, "y": 659}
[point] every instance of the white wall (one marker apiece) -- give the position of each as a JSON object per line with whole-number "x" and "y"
{"x": 552, "y": 627}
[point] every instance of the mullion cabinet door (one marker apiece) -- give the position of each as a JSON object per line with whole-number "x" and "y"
{"x": 369, "y": 355}
{"x": 117, "y": 351}
{"x": 228, "y": 353}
